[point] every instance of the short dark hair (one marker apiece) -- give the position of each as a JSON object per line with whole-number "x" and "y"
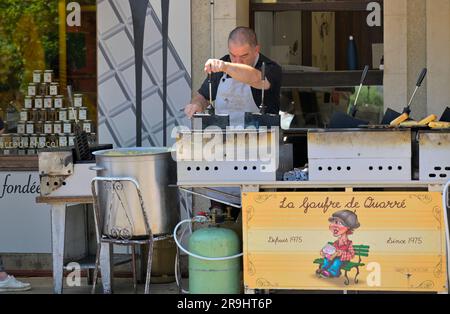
{"x": 243, "y": 35}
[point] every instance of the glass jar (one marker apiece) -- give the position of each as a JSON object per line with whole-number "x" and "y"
{"x": 67, "y": 127}
{"x": 34, "y": 115}
{"x": 21, "y": 127}
{"x": 38, "y": 102}
{"x": 39, "y": 127}
{"x": 87, "y": 126}
{"x": 15, "y": 140}
{"x": 5, "y": 141}
{"x": 28, "y": 102}
{"x": 62, "y": 140}
{"x": 24, "y": 141}
{"x": 48, "y": 102}
{"x": 92, "y": 138}
{"x": 71, "y": 139}
{"x": 43, "y": 89}
{"x": 72, "y": 113}
{"x": 32, "y": 89}
{"x": 31, "y": 151}
{"x": 54, "y": 89}
{"x": 48, "y": 127}
{"x": 48, "y": 76}
{"x": 78, "y": 100}
{"x": 25, "y": 115}
{"x": 42, "y": 141}
{"x": 52, "y": 140}
{"x": 57, "y": 127}
{"x": 37, "y": 76}
{"x": 30, "y": 127}
{"x": 34, "y": 141}
{"x": 82, "y": 113}
{"x": 59, "y": 101}
{"x": 62, "y": 114}
{"x": 52, "y": 115}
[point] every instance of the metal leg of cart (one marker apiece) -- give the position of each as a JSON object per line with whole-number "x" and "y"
{"x": 106, "y": 264}
{"x": 58, "y": 232}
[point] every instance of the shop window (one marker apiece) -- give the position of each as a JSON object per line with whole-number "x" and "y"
{"x": 46, "y": 45}
{"x": 310, "y": 40}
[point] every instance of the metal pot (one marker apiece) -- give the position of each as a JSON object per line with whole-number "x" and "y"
{"x": 154, "y": 169}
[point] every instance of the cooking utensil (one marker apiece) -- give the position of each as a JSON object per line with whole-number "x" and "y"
{"x": 262, "y": 107}
{"x": 340, "y": 120}
{"x": 210, "y": 109}
{"x": 394, "y": 117}
{"x": 155, "y": 170}
{"x": 81, "y": 142}
{"x": 446, "y": 115}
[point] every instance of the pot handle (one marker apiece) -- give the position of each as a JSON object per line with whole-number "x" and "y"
{"x": 97, "y": 168}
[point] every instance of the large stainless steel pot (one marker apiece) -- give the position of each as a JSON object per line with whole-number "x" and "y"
{"x": 154, "y": 169}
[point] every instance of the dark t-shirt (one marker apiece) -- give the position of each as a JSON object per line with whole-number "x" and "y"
{"x": 271, "y": 96}
{"x": 2, "y": 125}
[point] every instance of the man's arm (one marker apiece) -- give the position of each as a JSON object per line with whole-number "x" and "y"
{"x": 240, "y": 72}
{"x": 198, "y": 104}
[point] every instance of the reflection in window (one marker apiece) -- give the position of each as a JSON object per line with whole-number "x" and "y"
{"x": 35, "y": 42}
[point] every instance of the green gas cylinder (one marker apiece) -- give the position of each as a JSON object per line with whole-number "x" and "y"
{"x": 214, "y": 277}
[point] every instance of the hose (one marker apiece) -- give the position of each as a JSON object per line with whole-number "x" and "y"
{"x": 200, "y": 219}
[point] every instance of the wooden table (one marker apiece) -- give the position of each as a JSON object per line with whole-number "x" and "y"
{"x": 58, "y": 216}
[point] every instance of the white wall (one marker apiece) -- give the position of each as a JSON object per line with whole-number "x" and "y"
{"x": 25, "y": 227}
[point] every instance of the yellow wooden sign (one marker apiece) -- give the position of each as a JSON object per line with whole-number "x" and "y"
{"x": 381, "y": 241}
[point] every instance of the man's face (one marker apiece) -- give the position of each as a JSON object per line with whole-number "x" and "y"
{"x": 243, "y": 54}
{"x": 337, "y": 228}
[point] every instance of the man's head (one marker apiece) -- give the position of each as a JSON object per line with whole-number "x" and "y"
{"x": 243, "y": 46}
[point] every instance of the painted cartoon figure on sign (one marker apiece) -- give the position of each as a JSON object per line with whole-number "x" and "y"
{"x": 336, "y": 255}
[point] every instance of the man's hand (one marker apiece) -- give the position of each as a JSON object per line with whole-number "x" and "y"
{"x": 192, "y": 109}
{"x": 215, "y": 65}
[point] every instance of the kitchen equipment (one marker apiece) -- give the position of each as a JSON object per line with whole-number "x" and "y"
{"x": 341, "y": 120}
{"x": 263, "y": 107}
{"x": 434, "y": 155}
{"x": 446, "y": 115}
{"x": 81, "y": 137}
{"x": 154, "y": 169}
{"x": 239, "y": 155}
{"x": 360, "y": 155}
{"x": 62, "y": 173}
{"x": 395, "y": 118}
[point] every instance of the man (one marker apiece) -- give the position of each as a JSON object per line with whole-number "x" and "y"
{"x": 236, "y": 80}
{"x": 342, "y": 224}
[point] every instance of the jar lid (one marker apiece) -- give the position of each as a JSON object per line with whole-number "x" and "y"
{"x": 31, "y": 97}
{"x": 48, "y": 71}
{"x": 37, "y": 71}
{"x": 59, "y": 96}
{"x": 78, "y": 95}
{"x": 54, "y": 83}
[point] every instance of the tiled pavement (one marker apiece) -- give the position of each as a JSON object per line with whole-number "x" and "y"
{"x": 121, "y": 286}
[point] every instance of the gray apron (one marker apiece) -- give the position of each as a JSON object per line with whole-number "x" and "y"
{"x": 234, "y": 98}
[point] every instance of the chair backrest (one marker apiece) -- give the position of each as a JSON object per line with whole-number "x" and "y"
{"x": 119, "y": 209}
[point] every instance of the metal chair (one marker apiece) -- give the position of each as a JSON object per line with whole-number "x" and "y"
{"x": 121, "y": 236}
